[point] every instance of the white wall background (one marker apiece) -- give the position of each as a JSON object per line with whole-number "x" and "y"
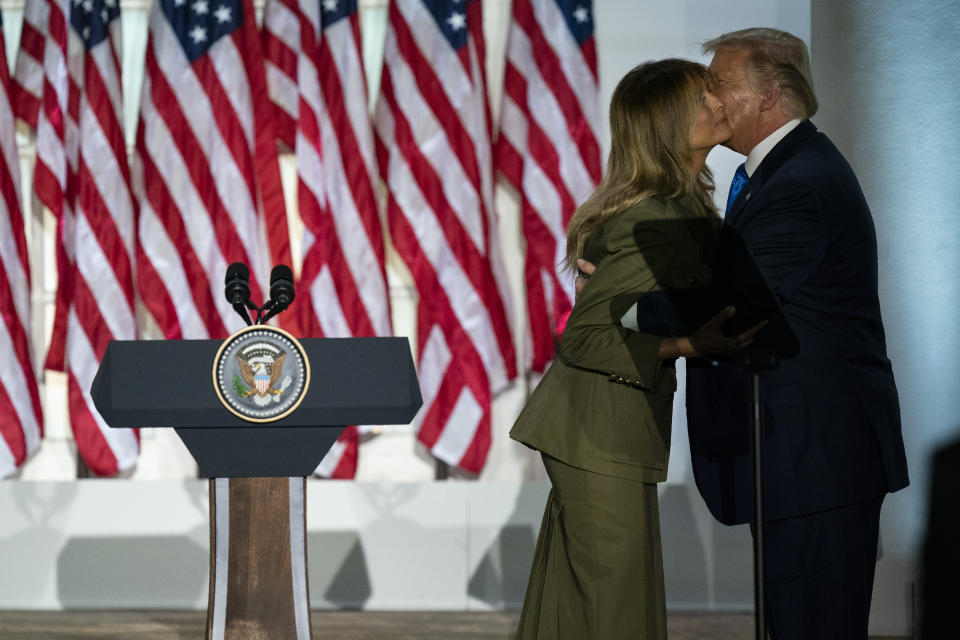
{"x": 884, "y": 71}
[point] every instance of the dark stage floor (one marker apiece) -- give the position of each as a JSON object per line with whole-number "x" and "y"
{"x": 330, "y": 625}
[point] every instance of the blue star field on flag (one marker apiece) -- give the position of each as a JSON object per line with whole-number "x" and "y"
{"x": 579, "y": 18}
{"x": 451, "y": 17}
{"x": 331, "y": 11}
{"x": 91, "y": 19}
{"x": 200, "y": 23}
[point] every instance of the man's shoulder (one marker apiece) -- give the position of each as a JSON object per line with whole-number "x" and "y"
{"x": 813, "y": 161}
{"x": 813, "y": 147}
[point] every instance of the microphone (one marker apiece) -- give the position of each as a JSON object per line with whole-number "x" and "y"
{"x": 237, "y": 289}
{"x": 281, "y": 286}
{"x": 281, "y": 291}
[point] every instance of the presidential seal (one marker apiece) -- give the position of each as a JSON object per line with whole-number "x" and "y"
{"x": 261, "y": 373}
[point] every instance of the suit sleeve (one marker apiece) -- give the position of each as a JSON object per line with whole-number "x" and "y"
{"x": 594, "y": 339}
{"x": 787, "y": 238}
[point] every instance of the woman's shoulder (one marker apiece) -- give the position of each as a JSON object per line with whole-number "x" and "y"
{"x": 650, "y": 208}
{"x": 649, "y": 212}
{"x": 657, "y": 209}
{"x": 652, "y": 214}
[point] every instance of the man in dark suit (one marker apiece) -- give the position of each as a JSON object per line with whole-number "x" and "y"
{"x": 833, "y": 446}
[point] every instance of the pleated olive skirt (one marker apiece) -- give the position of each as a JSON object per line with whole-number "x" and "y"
{"x": 597, "y": 569}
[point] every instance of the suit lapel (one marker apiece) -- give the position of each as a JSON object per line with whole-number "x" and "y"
{"x": 769, "y": 166}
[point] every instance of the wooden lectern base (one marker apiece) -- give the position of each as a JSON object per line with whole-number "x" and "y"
{"x": 258, "y": 568}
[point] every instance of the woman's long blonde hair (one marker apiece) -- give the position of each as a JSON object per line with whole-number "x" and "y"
{"x": 652, "y": 114}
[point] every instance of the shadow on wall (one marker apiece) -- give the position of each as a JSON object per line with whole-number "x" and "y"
{"x": 684, "y": 557}
{"x": 337, "y": 569}
{"x": 705, "y": 563}
{"x": 44, "y": 508}
{"x": 132, "y": 571}
{"x": 941, "y": 550}
{"x": 732, "y": 566}
{"x": 500, "y": 579}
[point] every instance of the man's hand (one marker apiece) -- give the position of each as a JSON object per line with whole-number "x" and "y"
{"x": 584, "y": 271}
{"x": 709, "y": 339}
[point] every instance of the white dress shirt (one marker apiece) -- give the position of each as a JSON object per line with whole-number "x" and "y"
{"x": 765, "y": 146}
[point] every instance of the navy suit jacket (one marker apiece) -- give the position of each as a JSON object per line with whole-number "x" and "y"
{"x": 832, "y": 433}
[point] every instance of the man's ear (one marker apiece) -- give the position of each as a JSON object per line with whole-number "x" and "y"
{"x": 770, "y": 97}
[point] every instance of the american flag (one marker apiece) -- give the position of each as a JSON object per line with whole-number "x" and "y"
{"x": 38, "y": 87}
{"x": 206, "y": 171}
{"x": 68, "y": 71}
{"x": 341, "y": 461}
{"x": 549, "y": 147}
{"x": 434, "y": 150}
{"x": 316, "y": 79}
{"x": 21, "y": 418}
{"x": 282, "y": 23}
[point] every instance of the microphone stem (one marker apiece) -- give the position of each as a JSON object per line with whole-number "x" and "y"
{"x": 242, "y": 311}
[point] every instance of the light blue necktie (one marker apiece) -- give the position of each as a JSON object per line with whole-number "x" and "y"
{"x": 739, "y": 179}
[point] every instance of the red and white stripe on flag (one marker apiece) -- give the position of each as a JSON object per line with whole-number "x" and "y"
{"x": 434, "y": 150}
{"x": 340, "y": 462}
{"x": 40, "y": 93}
{"x": 282, "y": 22}
{"x": 21, "y": 417}
{"x": 68, "y": 76}
{"x": 549, "y": 147}
{"x": 316, "y": 79}
{"x": 206, "y": 172}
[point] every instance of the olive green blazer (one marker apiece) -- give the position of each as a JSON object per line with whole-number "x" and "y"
{"x": 606, "y": 403}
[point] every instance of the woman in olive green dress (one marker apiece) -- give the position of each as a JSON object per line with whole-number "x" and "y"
{"x": 601, "y": 415}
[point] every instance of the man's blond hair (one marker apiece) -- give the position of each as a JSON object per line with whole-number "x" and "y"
{"x": 775, "y": 57}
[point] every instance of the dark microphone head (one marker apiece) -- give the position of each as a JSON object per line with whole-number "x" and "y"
{"x": 281, "y": 286}
{"x": 237, "y": 284}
